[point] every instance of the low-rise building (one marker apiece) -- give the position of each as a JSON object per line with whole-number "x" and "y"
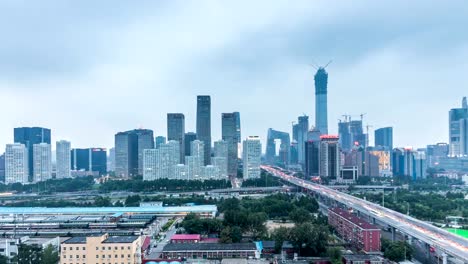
{"x": 362, "y": 259}
{"x": 101, "y": 249}
{"x": 209, "y": 251}
{"x": 355, "y": 230}
{"x": 185, "y": 238}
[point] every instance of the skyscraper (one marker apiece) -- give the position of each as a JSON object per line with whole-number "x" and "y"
{"x": 176, "y": 131}
{"x": 159, "y": 141}
{"x": 330, "y": 159}
{"x": 30, "y": 136}
{"x": 2, "y": 167}
{"x": 189, "y": 138}
{"x": 197, "y": 156}
{"x": 303, "y": 128}
{"x": 16, "y": 164}
{"x": 220, "y": 158}
{"x": 99, "y": 160}
{"x": 321, "y": 114}
{"x": 111, "y": 160}
{"x": 129, "y": 147}
{"x": 63, "y": 149}
{"x": 458, "y": 130}
{"x": 312, "y": 158}
{"x": 161, "y": 163}
{"x": 251, "y": 157}
{"x": 229, "y": 134}
{"x": 204, "y": 124}
{"x": 80, "y": 159}
{"x": 238, "y": 129}
{"x": 345, "y": 136}
{"x": 384, "y": 137}
{"x": 42, "y": 166}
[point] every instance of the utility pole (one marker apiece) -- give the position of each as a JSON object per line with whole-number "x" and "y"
{"x": 383, "y": 197}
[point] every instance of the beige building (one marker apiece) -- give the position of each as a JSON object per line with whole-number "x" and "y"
{"x": 101, "y": 249}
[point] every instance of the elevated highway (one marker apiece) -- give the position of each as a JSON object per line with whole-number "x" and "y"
{"x": 438, "y": 238}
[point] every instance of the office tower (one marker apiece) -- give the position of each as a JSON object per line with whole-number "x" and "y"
{"x": 283, "y": 157}
{"x": 63, "y": 152}
{"x": 313, "y": 134}
{"x": 30, "y": 136}
{"x": 330, "y": 160}
{"x": 2, "y": 167}
{"x": 398, "y": 162}
{"x": 384, "y": 137}
{"x": 293, "y": 153}
{"x": 295, "y": 132}
{"x": 321, "y": 83}
{"x": 358, "y": 138}
{"x": 229, "y": 134}
{"x": 16, "y": 164}
{"x": 176, "y": 131}
{"x": 42, "y": 166}
{"x": 435, "y": 153}
{"x": 221, "y": 148}
{"x": 366, "y": 163}
{"x": 420, "y": 165}
{"x": 458, "y": 130}
{"x": 189, "y": 138}
{"x": 129, "y": 147}
{"x": 193, "y": 167}
{"x": 303, "y": 128}
{"x": 409, "y": 163}
{"x": 252, "y": 157}
{"x": 160, "y": 140}
{"x": 312, "y": 158}
{"x": 344, "y": 134}
{"x": 238, "y": 136}
{"x": 204, "y": 124}
{"x": 384, "y": 161}
{"x": 99, "y": 160}
{"x": 111, "y": 160}
{"x": 80, "y": 159}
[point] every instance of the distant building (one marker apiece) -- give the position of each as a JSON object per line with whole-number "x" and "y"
{"x": 210, "y": 172}
{"x": 420, "y": 165}
{"x": 111, "y": 160}
{"x": 384, "y": 161}
{"x": 209, "y": 250}
{"x": 221, "y": 164}
{"x": 189, "y": 138}
{"x": 89, "y": 160}
{"x": 197, "y": 149}
{"x": 204, "y": 124}
{"x": 458, "y": 130}
{"x": 193, "y": 167}
{"x": 181, "y": 172}
{"x": 161, "y": 163}
{"x": 16, "y": 164}
{"x": 29, "y": 136}
{"x": 252, "y": 157}
{"x": 344, "y": 134}
{"x": 42, "y": 166}
{"x": 159, "y": 141}
{"x": 312, "y": 158}
{"x": 366, "y": 162}
{"x": 384, "y": 137}
{"x": 330, "y": 159}
{"x": 93, "y": 249}
{"x": 321, "y": 108}
{"x": 63, "y": 153}
{"x": 129, "y": 148}
{"x": 357, "y": 231}
{"x": 435, "y": 153}
{"x": 176, "y": 131}
{"x": 229, "y": 134}
{"x": 238, "y": 134}
{"x": 99, "y": 160}
{"x": 2, "y": 167}
{"x": 281, "y": 158}
{"x": 185, "y": 238}
{"x": 303, "y": 129}
{"x": 348, "y": 175}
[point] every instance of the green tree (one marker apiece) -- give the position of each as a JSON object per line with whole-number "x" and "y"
{"x": 50, "y": 255}
{"x": 3, "y": 259}
{"x": 28, "y": 254}
{"x": 132, "y": 200}
{"x": 231, "y": 235}
{"x": 335, "y": 255}
{"x": 310, "y": 239}
{"x": 300, "y": 215}
{"x": 280, "y": 235}
{"x": 102, "y": 201}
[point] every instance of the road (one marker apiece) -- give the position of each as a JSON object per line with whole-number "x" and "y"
{"x": 440, "y": 239}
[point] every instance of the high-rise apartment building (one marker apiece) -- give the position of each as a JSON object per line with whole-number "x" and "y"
{"x": 42, "y": 165}
{"x": 458, "y": 130}
{"x": 111, "y": 160}
{"x": 159, "y": 141}
{"x": 229, "y": 134}
{"x": 2, "y": 167}
{"x": 383, "y": 137}
{"x": 197, "y": 149}
{"x": 63, "y": 153}
{"x": 176, "y": 131}
{"x": 189, "y": 138}
{"x": 129, "y": 147}
{"x": 30, "y": 136}
{"x": 16, "y": 164}
{"x": 330, "y": 159}
{"x": 238, "y": 129}
{"x": 321, "y": 109}
{"x": 161, "y": 163}
{"x": 220, "y": 158}
{"x": 303, "y": 129}
{"x": 252, "y": 156}
{"x": 204, "y": 124}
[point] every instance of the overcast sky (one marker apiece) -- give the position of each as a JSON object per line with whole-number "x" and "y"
{"x": 88, "y": 69}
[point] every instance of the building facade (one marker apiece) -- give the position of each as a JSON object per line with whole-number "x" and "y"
{"x": 16, "y": 164}
{"x": 189, "y": 138}
{"x": 63, "y": 153}
{"x": 458, "y": 130}
{"x": 204, "y": 124}
{"x": 383, "y": 137}
{"x": 129, "y": 150}
{"x": 321, "y": 108}
{"x": 29, "y": 136}
{"x": 302, "y": 130}
{"x": 229, "y": 134}
{"x": 176, "y": 131}
{"x": 252, "y": 157}
{"x": 42, "y": 165}
{"x": 312, "y": 158}
{"x": 329, "y": 157}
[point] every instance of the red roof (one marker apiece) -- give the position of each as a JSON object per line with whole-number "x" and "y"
{"x": 353, "y": 218}
{"x": 186, "y": 237}
{"x": 146, "y": 243}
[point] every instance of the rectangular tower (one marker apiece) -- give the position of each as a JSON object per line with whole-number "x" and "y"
{"x": 251, "y": 157}
{"x": 384, "y": 138}
{"x": 16, "y": 164}
{"x": 204, "y": 124}
{"x": 176, "y": 131}
{"x": 30, "y": 136}
{"x": 63, "y": 149}
{"x": 42, "y": 166}
{"x": 229, "y": 134}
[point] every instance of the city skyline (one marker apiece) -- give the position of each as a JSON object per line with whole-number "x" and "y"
{"x": 240, "y": 65}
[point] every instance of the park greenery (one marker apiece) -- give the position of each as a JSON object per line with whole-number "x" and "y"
{"x": 430, "y": 206}
{"x": 396, "y": 251}
{"x": 28, "y": 254}
{"x": 246, "y": 219}
{"x": 265, "y": 180}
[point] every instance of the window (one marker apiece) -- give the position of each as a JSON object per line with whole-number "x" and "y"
{"x": 116, "y": 256}
{"x": 109, "y": 248}
{"x": 84, "y": 256}
{"x": 122, "y": 248}
{"x": 97, "y": 248}
{"x": 128, "y": 255}
{"x": 77, "y": 248}
{"x": 122, "y": 256}
{"x": 116, "y": 248}
{"x": 128, "y": 247}
{"x": 103, "y": 248}
{"x": 64, "y": 256}
{"x": 71, "y": 248}
{"x": 84, "y": 248}
{"x": 77, "y": 256}
{"x": 103, "y": 256}
{"x": 97, "y": 256}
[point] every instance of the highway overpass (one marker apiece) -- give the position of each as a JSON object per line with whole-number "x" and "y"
{"x": 438, "y": 238}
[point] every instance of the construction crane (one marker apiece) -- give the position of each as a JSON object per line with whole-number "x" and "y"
{"x": 326, "y": 65}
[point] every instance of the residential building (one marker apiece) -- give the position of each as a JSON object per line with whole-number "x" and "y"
{"x": 204, "y": 124}
{"x": 101, "y": 249}
{"x": 2, "y": 167}
{"x": 176, "y": 131}
{"x": 355, "y": 230}
{"x": 16, "y": 164}
{"x": 252, "y": 156}
{"x": 229, "y": 134}
{"x": 458, "y": 130}
{"x": 383, "y": 137}
{"x": 63, "y": 153}
{"x": 29, "y": 136}
{"x": 210, "y": 172}
{"x": 321, "y": 111}
{"x": 42, "y": 165}
{"x": 161, "y": 163}
{"x": 193, "y": 167}
{"x": 189, "y": 138}
{"x": 197, "y": 149}
{"x": 221, "y": 164}
{"x": 181, "y": 172}
{"x": 329, "y": 156}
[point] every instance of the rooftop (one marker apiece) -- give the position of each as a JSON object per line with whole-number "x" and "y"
{"x": 209, "y": 247}
{"x": 75, "y": 240}
{"x": 186, "y": 237}
{"x": 353, "y": 218}
{"x": 120, "y": 239}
